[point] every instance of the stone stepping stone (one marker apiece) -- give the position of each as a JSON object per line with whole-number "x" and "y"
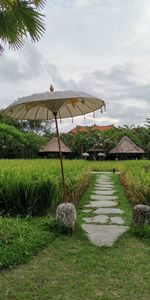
{"x": 103, "y": 235}
{"x": 101, "y": 188}
{"x": 108, "y": 210}
{"x": 104, "y": 180}
{"x": 98, "y": 192}
{"x": 87, "y": 211}
{"x": 104, "y": 177}
{"x": 101, "y": 204}
{"x": 103, "y": 197}
{"x": 104, "y": 190}
{"x": 105, "y": 185}
{"x": 117, "y": 220}
{"x": 97, "y": 219}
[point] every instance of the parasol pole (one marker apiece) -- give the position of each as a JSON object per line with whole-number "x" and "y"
{"x": 61, "y": 161}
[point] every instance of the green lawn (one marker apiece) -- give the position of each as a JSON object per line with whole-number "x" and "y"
{"x": 70, "y": 267}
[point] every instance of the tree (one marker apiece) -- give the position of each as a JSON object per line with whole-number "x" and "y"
{"x": 131, "y": 127}
{"x": 37, "y": 126}
{"x": 16, "y": 144}
{"x": 8, "y": 120}
{"x": 18, "y": 18}
{"x": 85, "y": 141}
{"x": 43, "y": 128}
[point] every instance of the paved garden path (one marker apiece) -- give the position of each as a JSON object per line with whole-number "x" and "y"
{"x": 106, "y": 223}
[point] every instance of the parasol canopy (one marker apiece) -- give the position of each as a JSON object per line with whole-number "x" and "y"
{"x": 54, "y": 105}
{"x": 101, "y": 154}
{"x": 42, "y": 106}
{"x": 85, "y": 154}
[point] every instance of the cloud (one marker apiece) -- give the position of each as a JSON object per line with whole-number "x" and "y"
{"x": 100, "y": 47}
{"x": 127, "y": 100}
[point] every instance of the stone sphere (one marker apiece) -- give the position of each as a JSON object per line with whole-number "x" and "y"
{"x": 66, "y": 214}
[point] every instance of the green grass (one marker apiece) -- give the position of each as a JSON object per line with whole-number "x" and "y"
{"x": 86, "y": 199}
{"x": 70, "y": 267}
{"x": 123, "y": 202}
{"x": 20, "y": 239}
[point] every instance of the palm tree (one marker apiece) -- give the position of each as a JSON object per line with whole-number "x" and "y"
{"x": 147, "y": 123}
{"x": 18, "y": 18}
{"x": 127, "y": 127}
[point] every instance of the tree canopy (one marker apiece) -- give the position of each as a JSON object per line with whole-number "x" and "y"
{"x": 104, "y": 141}
{"x": 16, "y": 144}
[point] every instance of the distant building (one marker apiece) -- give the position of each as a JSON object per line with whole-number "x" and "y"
{"x": 126, "y": 149}
{"x": 52, "y": 148}
{"x": 94, "y": 127}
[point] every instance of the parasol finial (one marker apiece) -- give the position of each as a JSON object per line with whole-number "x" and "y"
{"x": 51, "y": 88}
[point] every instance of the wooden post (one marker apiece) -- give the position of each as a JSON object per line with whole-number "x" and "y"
{"x": 61, "y": 161}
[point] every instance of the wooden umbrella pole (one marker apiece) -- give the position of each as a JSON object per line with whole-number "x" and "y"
{"x": 61, "y": 161}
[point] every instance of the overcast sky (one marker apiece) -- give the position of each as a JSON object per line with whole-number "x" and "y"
{"x": 101, "y": 47}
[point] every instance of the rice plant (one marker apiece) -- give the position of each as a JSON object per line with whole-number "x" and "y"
{"x": 34, "y": 187}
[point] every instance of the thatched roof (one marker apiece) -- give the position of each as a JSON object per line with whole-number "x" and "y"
{"x": 127, "y": 146}
{"x": 52, "y": 146}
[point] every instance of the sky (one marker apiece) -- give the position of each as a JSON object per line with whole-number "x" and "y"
{"x": 101, "y": 47}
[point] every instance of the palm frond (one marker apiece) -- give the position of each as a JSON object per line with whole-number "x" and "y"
{"x": 18, "y": 19}
{"x": 30, "y": 21}
{"x": 1, "y": 49}
{"x": 39, "y": 3}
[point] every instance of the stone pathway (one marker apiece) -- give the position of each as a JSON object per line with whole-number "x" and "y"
{"x": 106, "y": 223}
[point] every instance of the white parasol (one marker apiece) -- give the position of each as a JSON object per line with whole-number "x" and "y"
{"x": 54, "y": 105}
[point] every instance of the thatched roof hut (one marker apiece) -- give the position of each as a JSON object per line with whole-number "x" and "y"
{"x": 127, "y": 146}
{"x": 52, "y": 147}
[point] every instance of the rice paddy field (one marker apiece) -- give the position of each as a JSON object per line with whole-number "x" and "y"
{"x": 34, "y": 187}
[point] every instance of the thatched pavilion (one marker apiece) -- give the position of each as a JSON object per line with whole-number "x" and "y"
{"x": 96, "y": 153}
{"x": 126, "y": 149}
{"x": 52, "y": 149}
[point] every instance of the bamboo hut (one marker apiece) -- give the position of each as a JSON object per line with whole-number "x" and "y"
{"x": 126, "y": 149}
{"x": 52, "y": 149}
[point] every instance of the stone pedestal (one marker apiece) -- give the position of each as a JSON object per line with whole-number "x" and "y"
{"x": 141, "y": 215}
{"x": 66, "y": 215}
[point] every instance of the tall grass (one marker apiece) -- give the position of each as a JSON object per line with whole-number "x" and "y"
{"x": 137, "y": 181}
{"x": 135, "y": 175}
{"x": 35, "y": 186}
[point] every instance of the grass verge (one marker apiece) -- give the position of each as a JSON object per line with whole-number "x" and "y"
{"x": 20, "y": 239}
